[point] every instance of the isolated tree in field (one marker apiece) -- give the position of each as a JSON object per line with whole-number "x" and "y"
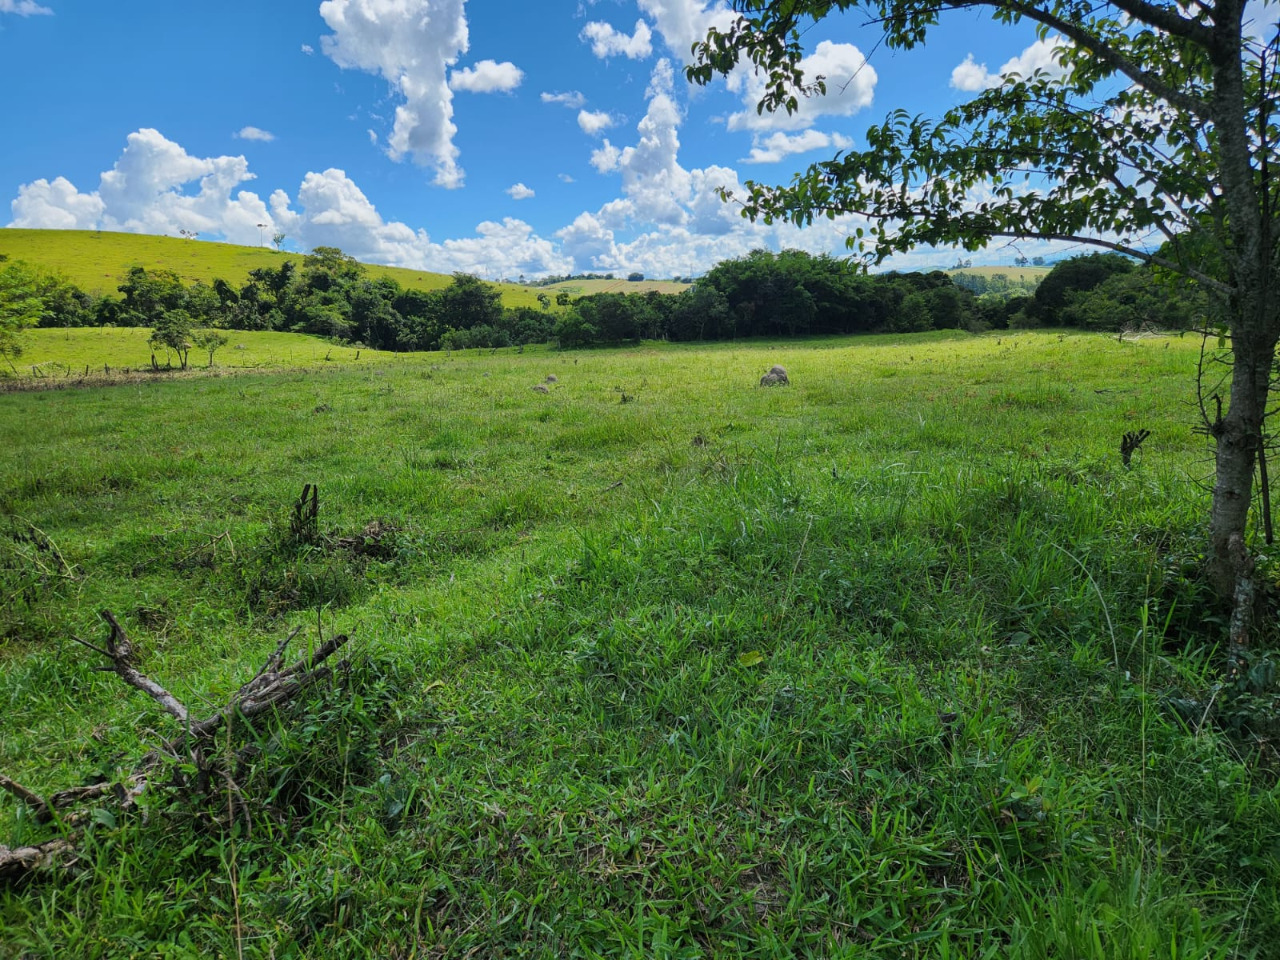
{"x": 210, "y": 341}
{"x": 1159, "y": 125}
{"x": 278, "y": 239}
{"x": 172, "y": 334}
{"x": 20, "y": 307}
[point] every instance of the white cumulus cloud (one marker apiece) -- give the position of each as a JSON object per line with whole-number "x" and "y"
{"x": 572, "y": 99}
{"x": 681, "y": 23}
{"x": 850, "y": 87}
{"x": 608, "y": 42}
{"x": 518, "y": 191}
{"x": 1041, "y": 55}
{"x": 594, "y": 122}
{"x": 606, "y": 157}
{"x": 411, "y": 44}
{"x": 56, "y": 205}
{"x": 24, "y": 8}
{"x": 157, "y": 187}
{"x": 773, "y": 148}
{"x": 255, "y": 133}
{"x": 148, "y": 191}
{"x": 487, "y": 76}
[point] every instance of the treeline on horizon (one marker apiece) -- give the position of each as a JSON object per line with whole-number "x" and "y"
{"x": 763, "y": 294}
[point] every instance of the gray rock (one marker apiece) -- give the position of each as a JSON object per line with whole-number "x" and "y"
{"x": 776, "y": 375}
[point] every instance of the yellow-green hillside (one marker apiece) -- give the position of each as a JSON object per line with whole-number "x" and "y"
{"x": 96, "y": 261}
{"x": 581, "y": 288}
{"x": 1013, "y": 273}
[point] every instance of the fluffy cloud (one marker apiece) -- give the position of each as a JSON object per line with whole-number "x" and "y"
{"x": 850, "y": 84}
{"x": 411, "y": 44}
{"x": 254, "y": 133}
{"x": 773, "y": 148}
{"x": 518, "y": 191}
{"x": 56, "y": 206}
{"x": 487, "y": 76}
{"x": 593, "y": 122}
{"x": 572, "y": 99}
{"x": 681, "y": 23}
{"x": 24, "y": 8}
{"x": 606, "y": 157}
{"x": 608, "y": 42}
{"x": 335, "y": 212}
{"x": 149, "y": 190}
{"x": 1041, "y": 55}
{"x": 652, "y": 178}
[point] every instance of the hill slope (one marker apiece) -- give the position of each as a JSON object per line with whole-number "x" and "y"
{"x": 581, "y": 288}
{"x": 97, "y": 261}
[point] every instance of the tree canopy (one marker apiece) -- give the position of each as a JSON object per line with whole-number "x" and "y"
{"x": 20, "y": 306}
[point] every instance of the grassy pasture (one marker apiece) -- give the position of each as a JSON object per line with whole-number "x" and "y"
{"x": 580, "y": 288}
{"x": 57, "y": 352}
{"x": 97, "y": 262}
{"x": 870, "y": 666}
{"x": 1012, "y": 272}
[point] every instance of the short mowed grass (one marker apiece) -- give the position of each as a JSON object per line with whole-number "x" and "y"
{"x": 874, "y": 665}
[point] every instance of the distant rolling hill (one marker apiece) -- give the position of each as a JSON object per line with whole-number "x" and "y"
{"x": 579, "y": 288}
{"x": 1035, "y": 274}
{"x": 96, "y": 262}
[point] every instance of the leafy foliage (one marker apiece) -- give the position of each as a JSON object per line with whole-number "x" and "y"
{"x": 172, "y": 334}
{"x": 20, "y": 306}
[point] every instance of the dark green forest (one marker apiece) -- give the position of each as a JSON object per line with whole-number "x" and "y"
{"x": 763, "y": 294}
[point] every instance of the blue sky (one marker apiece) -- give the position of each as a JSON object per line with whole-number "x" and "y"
{"x": 490, "y": 136}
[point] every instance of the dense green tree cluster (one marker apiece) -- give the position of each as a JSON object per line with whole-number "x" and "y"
{"x": 329, "y": 294}
{"x": 763, "y": 294}
{"x": 787, "y": 294}
{"x": 20, "y": 306}
{"x": 794, "y": 293}
{"x": 1109, "y": 292}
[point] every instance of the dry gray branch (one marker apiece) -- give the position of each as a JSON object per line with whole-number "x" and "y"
{"x": 272, "y": 686}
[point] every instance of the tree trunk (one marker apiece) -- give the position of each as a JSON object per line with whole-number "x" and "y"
{"x": 1238, "y": 435}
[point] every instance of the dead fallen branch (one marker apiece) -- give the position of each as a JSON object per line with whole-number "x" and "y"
{"x": 273, "y": 686}
{"x": 20, "y": 861}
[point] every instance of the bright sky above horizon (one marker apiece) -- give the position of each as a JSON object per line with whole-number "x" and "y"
{"x": 496, "y": 138}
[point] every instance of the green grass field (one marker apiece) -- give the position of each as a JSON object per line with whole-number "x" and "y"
{"x": 75, "y": 352}
{"x": 578, "y": 288}
{"x": 96, "y": 262}
{"x": 657, "y": 664}
{"x": 1013, "y": 273}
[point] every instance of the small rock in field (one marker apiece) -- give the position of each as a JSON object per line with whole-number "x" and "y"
{"x": 776, "y": 375}
{"x": 552, "y": 378}
{"x": 540, "y": 388}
